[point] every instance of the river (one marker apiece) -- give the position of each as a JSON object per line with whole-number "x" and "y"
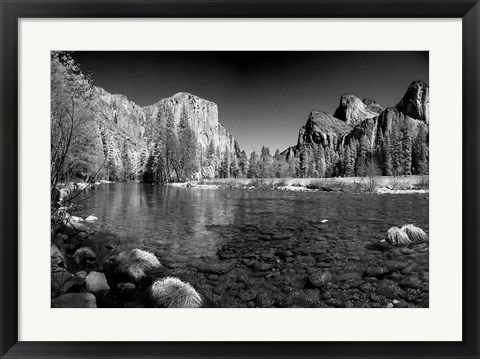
{"x": 265, "y": 248}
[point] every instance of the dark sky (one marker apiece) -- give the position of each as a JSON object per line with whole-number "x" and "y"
{"x": 263, "y": 97}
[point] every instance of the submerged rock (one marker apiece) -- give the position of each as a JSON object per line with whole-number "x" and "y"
{"x": 265, "y": 300}
{"x": 75, "y": 300}
{"x": 319, "y": 279}
{"x": 215, "y": 268}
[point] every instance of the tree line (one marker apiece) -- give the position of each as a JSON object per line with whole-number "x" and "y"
{"x": 87, "y": 146}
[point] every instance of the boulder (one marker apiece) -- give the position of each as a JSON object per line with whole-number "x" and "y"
{"x": 81, "y": 236}
{"x": 136, "y": 263}
{"x": 84, "y": 254}
{"x": 59, "y": 277}
{"x": 171, "y": 292}
{"x": 96, "y": 282}
{"x": 397, "y": 236}
{"x": 74, "y": 219}
{"x": 75, "y": 300}
{"x": 91, "y": 218}
{"x": 80, "y": 227}
{"x": 415, "y": 234}
{"x": 56, "y": 255}
{"x": 69, "y": 247}
{"x": 74, "y": 284}
{"x": 81, "y": 274}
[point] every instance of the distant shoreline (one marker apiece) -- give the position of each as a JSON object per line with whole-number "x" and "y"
{"x": 377, "y": 185}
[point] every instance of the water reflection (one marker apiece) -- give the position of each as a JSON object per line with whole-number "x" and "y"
{"x": 276, "y": 240}
{"x": 196, "y": 222}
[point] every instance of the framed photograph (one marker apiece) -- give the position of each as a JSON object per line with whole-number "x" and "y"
{"x": 239, "y": 179}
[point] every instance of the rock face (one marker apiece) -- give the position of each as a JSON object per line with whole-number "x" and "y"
{"x": 203, "y": 118}
{"x": 127, "y": 116}
{"x": 126, "y": 130}
{"x": 323, "y": 128}
{"x": 396, "y": 137}
{"x": 416, "y": 103}
{"x": 352, "y": 110}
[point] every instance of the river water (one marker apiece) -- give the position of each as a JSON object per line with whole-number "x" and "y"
{"x": 264, "y": 248}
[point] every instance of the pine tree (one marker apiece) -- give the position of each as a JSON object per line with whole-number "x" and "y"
{"x": 305, "y": 161}
{"x": 160, "y": 172}
{"x": 127, "y": 165}
{"x": 187, "y": 147}
{"x": 387, "y": 154}
{"x": 149, "y": 164}
{"x": 378, "y": 152}
{"x": 243, "y": 164}
{"x": 234, "y": 167}
{"x": 340, "y": 166}
{"x": 142, "y": 163}
{"x": 265, "y": 163}
{"x": 420, "y": 151}
{"x": 319, "y": 158}
{"x": 361, "y": 160}
{"x": 171, "y": 147}
{"x": 278, "y": 164}
{"x": 294, "y": 167}
{"x": 350, "y": 158}
{"x": 225, "y": 164}
{"x": 396, "y": 151}
{"x": 253, "y": 170}
{"x": 211, "y": 150}
{"x": 406, "y": 143}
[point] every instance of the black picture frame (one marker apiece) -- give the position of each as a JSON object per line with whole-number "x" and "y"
{"x": 11, "y": 11}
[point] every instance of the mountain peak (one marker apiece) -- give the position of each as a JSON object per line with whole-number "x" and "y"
{"x": 416, "y": 102}
{"x": 352, "y": 110}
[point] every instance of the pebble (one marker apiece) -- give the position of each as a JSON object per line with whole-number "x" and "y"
{"x": 319, "y": 278}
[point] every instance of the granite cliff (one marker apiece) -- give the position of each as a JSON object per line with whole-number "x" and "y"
{"x": 127, "y": 130}
{"x": 396, "y": 137}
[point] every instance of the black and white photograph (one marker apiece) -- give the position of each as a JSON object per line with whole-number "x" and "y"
{"x": 239, "y": 179}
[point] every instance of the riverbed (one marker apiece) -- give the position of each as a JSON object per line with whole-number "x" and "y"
{"x": 260, "y": 248}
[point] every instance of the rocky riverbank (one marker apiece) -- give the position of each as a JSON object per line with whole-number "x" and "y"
{"x": 134, "y": 278}
{"x": 81, "y": 278}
